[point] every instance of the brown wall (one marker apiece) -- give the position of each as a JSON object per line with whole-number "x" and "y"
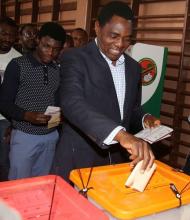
{"x": 71, "y": 13}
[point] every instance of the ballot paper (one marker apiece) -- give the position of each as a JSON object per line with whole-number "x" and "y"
{"x": 55, "y": 113}
{"x": 138, "y": 180}
{"x": 8, "y": 213}
{"x": 152, "y": 135}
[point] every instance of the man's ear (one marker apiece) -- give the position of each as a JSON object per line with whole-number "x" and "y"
{"x": 97, "y": 27}
{"x": 37, "y": 40}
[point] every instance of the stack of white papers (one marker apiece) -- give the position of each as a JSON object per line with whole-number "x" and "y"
{"x": 55, "y": 113}
{"x": 152, "y": 135}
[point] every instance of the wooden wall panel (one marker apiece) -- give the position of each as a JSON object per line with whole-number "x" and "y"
{"x": 66, "y": 12}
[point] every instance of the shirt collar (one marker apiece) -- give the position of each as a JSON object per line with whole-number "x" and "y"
{"x": 120, "y": 61}
{"x": 36, "y": 63}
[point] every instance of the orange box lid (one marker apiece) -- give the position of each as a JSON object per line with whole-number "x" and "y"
{"x": 109, "y": 190}
{"x": 33, "y": 197}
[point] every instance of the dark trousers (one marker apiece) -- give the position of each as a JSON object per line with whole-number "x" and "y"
{"x": 4, "y": 151}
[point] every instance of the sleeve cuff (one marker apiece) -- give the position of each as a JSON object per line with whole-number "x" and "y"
{"x": 143, "y": 120}
{"x": 109, "y": 140}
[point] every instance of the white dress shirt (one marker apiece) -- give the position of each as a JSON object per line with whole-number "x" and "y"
{"x": 118, "y": 76}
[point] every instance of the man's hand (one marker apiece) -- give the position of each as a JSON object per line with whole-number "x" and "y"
{"x": 7, "y": 135}
{"x": 139, "y": 149}
{"x": 37, "y": 118}
{"x": 150, "y": 121}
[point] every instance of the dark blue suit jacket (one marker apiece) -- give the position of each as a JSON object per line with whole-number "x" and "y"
{"x": 91, "y": 110}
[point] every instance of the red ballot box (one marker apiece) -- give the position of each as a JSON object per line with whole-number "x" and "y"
{"x": 48, "y": 198}
{"x": 158, "y": 201}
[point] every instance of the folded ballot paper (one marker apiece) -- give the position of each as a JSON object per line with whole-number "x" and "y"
{"x": 152, "y": 135}
{"x": 138, "y": 180}
{"x": 55, "y": 113}
{"x": 8, "y": 213}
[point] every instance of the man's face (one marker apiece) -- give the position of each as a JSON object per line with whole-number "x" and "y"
{"x": 7, "y": 37}
{"x": 28, "y": 38}
{"x": 79, "y": 38}
{"x": 48, "y": 49}
{"x": 114, "y": 37}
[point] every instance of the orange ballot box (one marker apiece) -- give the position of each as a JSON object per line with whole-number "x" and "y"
{"x": 48, "y": 198}
{"x": 158, "y": 201}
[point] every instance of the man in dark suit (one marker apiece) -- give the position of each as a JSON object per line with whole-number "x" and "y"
{"x": 101, "y": 99}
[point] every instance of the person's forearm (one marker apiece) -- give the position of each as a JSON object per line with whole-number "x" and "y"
{"x": 120, "y": 135}
{"x": 8, "y": 92}
{"x": 11, "y": 111}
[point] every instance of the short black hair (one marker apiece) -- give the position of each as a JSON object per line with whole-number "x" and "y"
{"x": 53, "y": 30}
{"x": 9, "y": 21}
{"x": 22, "y": 27}
{"x": 117, "y": 8}
{"x": 82, "y": 30}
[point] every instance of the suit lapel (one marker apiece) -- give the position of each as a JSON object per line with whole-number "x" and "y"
{"x": 105, "y": 74}
{"x": 128, "y": 86}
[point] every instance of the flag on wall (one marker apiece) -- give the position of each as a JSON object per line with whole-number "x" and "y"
{"x": 153, "y": 61}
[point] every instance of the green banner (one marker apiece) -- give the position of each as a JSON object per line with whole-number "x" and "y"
{"x": 153, "y": 61}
